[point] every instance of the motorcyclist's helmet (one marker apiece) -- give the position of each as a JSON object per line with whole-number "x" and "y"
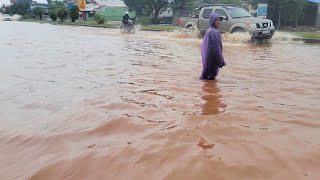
{"x": 126, "y": 12}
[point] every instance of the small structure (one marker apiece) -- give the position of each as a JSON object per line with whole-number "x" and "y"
{"x": 45, "y": 7}
{"x": 90, "y": 6}
{"x": 165, "y": 17}
{"x": 113, "y": 10}
{"x": 34, "y": 4}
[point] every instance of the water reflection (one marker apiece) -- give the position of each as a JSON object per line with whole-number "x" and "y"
{"x": 213, "y": 104}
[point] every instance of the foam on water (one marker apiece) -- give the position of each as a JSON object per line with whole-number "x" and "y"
{"x": 236, "y": 38}
{"x": 15, "y": 17}
{"x": 283, "y": 36}
{"x": 184, "y": 33}
{"x": 226, "y": 37}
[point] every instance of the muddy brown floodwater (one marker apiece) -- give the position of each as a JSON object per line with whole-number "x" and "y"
{"x": 84, "y": 103}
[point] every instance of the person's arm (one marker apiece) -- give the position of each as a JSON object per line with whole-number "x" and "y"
{"x": 218, "y": 48}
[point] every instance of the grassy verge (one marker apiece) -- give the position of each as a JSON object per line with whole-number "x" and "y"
{"x": 87, "y": 23}
{"x": 78, "y": 23}
{"x": 90, "y": 23}
{"x": 159, "y": 28}
{"x": 308, "y": 35}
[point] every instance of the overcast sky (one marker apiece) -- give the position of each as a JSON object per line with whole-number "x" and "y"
{"x": 109, "y": 2}
{"x": 8, "y": 1}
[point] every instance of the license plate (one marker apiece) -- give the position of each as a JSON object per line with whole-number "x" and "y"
{"x": 266, "y": 32}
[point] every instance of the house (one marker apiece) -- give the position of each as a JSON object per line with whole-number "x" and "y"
{"x": 113, "y": 10}
{"x": 115, "y": 3}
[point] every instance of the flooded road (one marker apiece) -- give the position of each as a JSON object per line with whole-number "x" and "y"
{"x": 86, "y": 103}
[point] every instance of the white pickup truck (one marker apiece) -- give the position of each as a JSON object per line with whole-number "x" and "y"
{"x": 235, "y": 19}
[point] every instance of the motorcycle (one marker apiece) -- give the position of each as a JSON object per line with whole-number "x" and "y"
{"x": 128, "y": 28}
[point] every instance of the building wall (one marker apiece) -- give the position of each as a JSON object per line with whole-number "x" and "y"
{"x": 114, "y": 13}
{"x": 111, "y": 2}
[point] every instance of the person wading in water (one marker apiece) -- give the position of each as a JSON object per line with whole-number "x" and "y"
{"x": 211, "y": 51}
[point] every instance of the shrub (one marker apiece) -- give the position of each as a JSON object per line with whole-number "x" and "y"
{"x": 38, "y": 11}
{"x": 99, "y": 18}
{"x": 74, "y": 13}
{"x": 144, "y": 21}
{"x": 61, "y": 12}
{"x": 53, "y": 16}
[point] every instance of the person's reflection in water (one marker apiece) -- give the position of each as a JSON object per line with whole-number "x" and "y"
{"x": 212, "y": 98}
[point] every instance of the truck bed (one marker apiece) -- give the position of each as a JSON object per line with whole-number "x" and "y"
{"x": 184, "y": 20}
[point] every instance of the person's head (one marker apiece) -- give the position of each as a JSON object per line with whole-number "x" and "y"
{"x": 215, "y": 20}
{"x": 127, "y": 13}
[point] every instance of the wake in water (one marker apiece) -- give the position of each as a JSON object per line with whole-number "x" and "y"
{"x": 15, "y": 17}
{"x": 186, "y": 33}
{"x": 237, "y": 38}
{"x": 283, "y": 36}
{"x": 226, "y": 37}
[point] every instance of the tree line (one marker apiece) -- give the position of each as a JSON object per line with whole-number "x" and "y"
{"x": 282, "y": 12}
{"x": 56, "y": 10}
{"x": 286, "y": 12}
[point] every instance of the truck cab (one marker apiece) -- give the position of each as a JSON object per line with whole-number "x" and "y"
{"x": 235, "y": 19}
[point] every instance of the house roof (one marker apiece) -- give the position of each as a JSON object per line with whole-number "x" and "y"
{"x": 111, "y": 2}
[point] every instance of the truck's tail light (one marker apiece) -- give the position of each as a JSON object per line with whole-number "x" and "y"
{"x": 179, "y": 21}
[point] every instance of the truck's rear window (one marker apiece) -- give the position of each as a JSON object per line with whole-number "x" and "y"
{"x": 236, "y": 12}
{"x": 206, "y": 13}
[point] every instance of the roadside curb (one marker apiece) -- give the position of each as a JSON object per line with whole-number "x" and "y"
{"x": 307, "y": 40}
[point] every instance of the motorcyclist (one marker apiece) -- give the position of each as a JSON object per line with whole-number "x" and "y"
{"x": 126, "y": 18}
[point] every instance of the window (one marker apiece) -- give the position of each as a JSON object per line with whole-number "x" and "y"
{"x": 238, "y": 12}
{"x": 206, "y": 13}
{"x": 221, "y": 12}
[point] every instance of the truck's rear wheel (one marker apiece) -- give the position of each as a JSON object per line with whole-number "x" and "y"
{"x": 191, "y": 27}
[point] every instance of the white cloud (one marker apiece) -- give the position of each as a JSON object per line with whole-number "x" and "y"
{"x": 4, "y": 2}
{"x": 8, "y": 2}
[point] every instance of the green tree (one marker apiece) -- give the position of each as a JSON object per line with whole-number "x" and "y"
{"x": 99, "y": 18}
{"x": 159, "y": 6}
{"x": 141, "y": 7}
{"x": 53, "y": 16}
{"x": 58, "y": 10}
{"x": 20, "y": 8}
{"x": 38, "y": 11}
{"x": 74, "y": 13}
{"x": 62, "y": 13}
{"x": 286, "y": 12}
{"x": 182, "y": 5}
{"x": 147, "y": 7}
